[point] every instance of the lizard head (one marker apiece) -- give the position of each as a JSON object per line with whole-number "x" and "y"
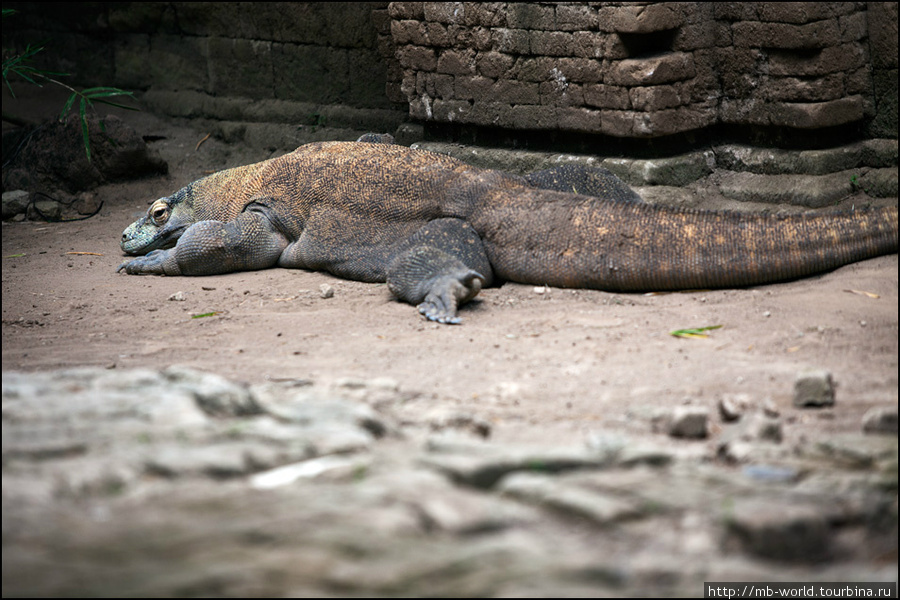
{"x": 160, "y": 228}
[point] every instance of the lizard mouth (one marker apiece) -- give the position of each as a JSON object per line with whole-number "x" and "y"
{"x": 136, "y": 241}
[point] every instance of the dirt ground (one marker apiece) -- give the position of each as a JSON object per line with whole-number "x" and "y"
{"x": 538, "y": 364}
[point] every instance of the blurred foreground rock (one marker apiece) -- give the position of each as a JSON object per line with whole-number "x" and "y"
{"x": 182, "y": 483}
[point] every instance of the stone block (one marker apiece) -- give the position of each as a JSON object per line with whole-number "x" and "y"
{"x": 798, "y": 89}
{"x": 879, "y": 183}
{"x": 882, "y": 22}
{"x": 579, "y": 119}
{"x": 472, "y": 88}
{"x": 408, "y": 32}
{"x": 417, "y": 58}
{"x": 801, "y": 12}
{"x": 885, "y": 87}
{"x": 814, "y": 115}
{"x": 575, "y": 17}
{"x": 529, "y": 117}
{"x": 493, "y": 64}
{"x": 646, "y": 18}
{"x": 444, "y": 12}
{"x": 607, "y": 96}
{"x": 516, "y": 92}
{"x": 551, "y": 43}
{"x": 307, "y": 73}
{"x": 845, "y": 57}
{"x": 654, "y": 70}
{"x": 173, "y": 62}
{"x": 814, "y": 191}
{"x": 511, "y": 41}
{"x": 594, "y": 44}
{"x": 580, "y": 70}
{"x": 407, "y": 10}
{"x": 526, "y": 15}
{"x": 240, "y": 67}
{"x": 856, "y": 26}
{"x": 438, "y": 35}
{"x": 559, "y": 93}
{"x": 456, "y": 62}
{"x": 655, "y": 97}
{"x": 753, "y": 34}
{"x": 814, "y": 389}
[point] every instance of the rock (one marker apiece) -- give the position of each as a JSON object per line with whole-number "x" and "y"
{"x": 54, "y": 157}
{"x": 544, "y": 490}
{"x": 731, "y": 409}
{"x": 305, "y": 405}
{"x": 332, "y": 467}
{"x": 215, "y": 395}
{"x": 879, "y": 183}
{"x": 460, "y": 421}
{"x": 858, "y": 450}
{"x": 306, "y": 499}
{"x": 814, "y": 389}
{"x": 624, "y": 452}
{"x": 815, "y": 191}
{"x": 44, "y": 210}
{"x": 218, "y": 461}
{"x": 747, "y": 439}
{"x": 483, "y": 465}
{"x": 14, "y": 203}
{"x": 683, "y": 422}
{"x": 771, "y": 473}
{"x": 880, "y": 419}
{"x": 789, "y": 532}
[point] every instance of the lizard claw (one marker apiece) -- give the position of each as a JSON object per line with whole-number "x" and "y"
{"x": 150, "y": 264}
{"x": 441, "y": 314}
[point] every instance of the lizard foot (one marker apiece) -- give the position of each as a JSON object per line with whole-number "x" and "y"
{"x": 157, "y": 262}
{"x": 447, "y": 293}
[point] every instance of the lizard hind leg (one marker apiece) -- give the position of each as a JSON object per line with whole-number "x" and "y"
{"x": 439, "y": 268}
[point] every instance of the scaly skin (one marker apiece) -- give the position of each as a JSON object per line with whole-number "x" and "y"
{"x": 438, "y": 230}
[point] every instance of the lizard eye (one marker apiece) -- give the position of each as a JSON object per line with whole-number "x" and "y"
{"x": 159, "y": 212}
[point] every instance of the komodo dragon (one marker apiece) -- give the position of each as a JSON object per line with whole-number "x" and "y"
{"x": 437, "y": 230}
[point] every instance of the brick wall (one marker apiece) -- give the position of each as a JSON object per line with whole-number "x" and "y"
{"x": 644, "y": 70}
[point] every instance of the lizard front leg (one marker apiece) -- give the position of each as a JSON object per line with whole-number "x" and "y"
{"x": 439, "y": 268}
{"x": 249, "y": 242}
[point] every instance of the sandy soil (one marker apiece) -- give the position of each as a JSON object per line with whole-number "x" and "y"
{"x": 539, "y": 364}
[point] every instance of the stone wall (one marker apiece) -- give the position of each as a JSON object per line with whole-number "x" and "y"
{"x": 632, "y": 70}
{"x": 642, "y": 70}
{"x": 312, "y": 65}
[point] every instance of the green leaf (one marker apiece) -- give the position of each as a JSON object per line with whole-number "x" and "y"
{"x": 68, "y": 106}
{"x": 84, "y": 127}
{"x": 694, "y": 332}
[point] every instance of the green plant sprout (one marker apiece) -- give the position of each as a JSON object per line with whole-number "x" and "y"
{"x": 20, "y": 64}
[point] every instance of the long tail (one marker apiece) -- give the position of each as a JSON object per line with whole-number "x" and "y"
{"x": 565, "y": 240}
